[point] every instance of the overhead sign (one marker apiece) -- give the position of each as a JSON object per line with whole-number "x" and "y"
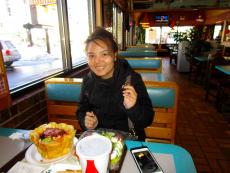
{"x": 42, "y": 2}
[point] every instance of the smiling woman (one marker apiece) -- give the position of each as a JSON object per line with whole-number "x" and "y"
{"x": 106, "y": 102}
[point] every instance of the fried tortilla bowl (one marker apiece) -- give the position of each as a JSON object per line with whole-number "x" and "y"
{"x": 53, "y": 147}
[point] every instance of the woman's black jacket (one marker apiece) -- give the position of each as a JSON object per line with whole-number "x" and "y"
{"x": 105, "y": 99}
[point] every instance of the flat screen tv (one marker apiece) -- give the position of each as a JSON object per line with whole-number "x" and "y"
{"x": 162, "y": 18}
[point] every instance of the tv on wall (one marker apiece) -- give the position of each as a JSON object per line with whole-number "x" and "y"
{"x": 162, "y": 18}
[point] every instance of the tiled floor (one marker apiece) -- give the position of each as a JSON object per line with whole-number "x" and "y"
{"x": 201, "y": 130}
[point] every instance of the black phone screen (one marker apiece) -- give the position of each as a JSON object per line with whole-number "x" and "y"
{"x": 145, "y": 161}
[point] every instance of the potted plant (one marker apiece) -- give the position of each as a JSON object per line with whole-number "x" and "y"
{"x": 180, "y": 36}
{"x": 182, "y": 39}
{"x": 191, "y": 43}
{"x": 140, "y": 35}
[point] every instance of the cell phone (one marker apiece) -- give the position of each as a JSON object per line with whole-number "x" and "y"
{"x": 145, "y": 161}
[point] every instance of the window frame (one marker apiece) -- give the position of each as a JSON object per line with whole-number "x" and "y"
{"x": 62, "y": 12}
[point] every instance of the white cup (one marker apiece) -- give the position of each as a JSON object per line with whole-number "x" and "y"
{"x": 94, "y": 153}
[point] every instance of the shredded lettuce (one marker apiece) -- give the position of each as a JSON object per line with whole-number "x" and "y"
{"x": 47, "y": 139}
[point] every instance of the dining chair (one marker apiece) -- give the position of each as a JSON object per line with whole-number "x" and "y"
{"x": 173, "y": 56}
{"x": 164, "y": 98}
{"x": 198, "y": 68}
{"x": 224, "y": 96}
{"x": 197, "y": 54}
{"x": 215, "y": 80}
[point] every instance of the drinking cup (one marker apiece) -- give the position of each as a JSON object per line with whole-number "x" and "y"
{"x": 94, "y": 153}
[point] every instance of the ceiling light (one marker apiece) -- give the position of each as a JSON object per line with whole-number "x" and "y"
{"x": 144, "y": 23}
{"x": 200, "y": 19}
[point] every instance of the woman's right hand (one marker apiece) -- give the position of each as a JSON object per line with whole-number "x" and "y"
{"x": 91, "y": 120}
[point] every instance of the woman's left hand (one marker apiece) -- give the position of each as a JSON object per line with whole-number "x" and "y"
{"x": 130, "y": 96}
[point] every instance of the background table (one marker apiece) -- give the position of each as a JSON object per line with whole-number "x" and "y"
{"x": 223, "y": 68}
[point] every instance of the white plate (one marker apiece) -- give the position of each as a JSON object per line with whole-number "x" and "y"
{"x": 33, "y": 156}
{"x": 61, "y": 167}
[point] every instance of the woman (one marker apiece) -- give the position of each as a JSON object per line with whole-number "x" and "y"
{"x": 106, "y": 102}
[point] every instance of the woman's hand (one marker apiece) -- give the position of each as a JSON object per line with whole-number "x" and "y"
{"x": 130, "y": 96}
{"x": 91, "y": 120}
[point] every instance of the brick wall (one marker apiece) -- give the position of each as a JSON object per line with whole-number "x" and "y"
{"x": 28, "y": 109}
{"x": 26, "y": 112}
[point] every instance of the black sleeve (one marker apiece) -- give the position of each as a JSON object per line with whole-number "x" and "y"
{"x": 141, "y": 114}
{"x": 84, "y": 105}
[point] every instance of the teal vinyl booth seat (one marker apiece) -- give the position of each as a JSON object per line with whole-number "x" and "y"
{"x": 145, "y": 64}
{"x": 144, "y": 53}
{"x": 164, "y": 98}
{"x": 62, "y": 95}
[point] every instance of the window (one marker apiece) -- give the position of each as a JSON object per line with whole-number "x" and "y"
{"x": 114, "y": 27}
{"x": 79, "y": 28}
{"x": 35, "y": 31}
{"x": 164, "y": 34}
{"x": 119, "y": 28}
{"x": 217, "y": 31}
{"x": 152, "y": 35}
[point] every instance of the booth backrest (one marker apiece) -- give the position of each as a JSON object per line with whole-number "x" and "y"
{"x": 150, "y": 76}
{"x": 63, "y": 96}
{"x": 144, "y": 53}
{"x": 145, "y": 64}
{"x": 164, "y": 98}
{"x": 58, "y": 92}
{"x": 139, "y": 49}
{"x": 142, "y": 45}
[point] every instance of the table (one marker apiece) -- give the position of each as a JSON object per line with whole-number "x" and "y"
{"x": 10, "y": 150}
{"x": 201, "y": 58}
{"x": 223, "y": 68}
{"x": 9, "y": 131}
{"x": 182, "y": 159}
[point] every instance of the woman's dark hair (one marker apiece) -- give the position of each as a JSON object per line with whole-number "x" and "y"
{"x": 103, "y": 35}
